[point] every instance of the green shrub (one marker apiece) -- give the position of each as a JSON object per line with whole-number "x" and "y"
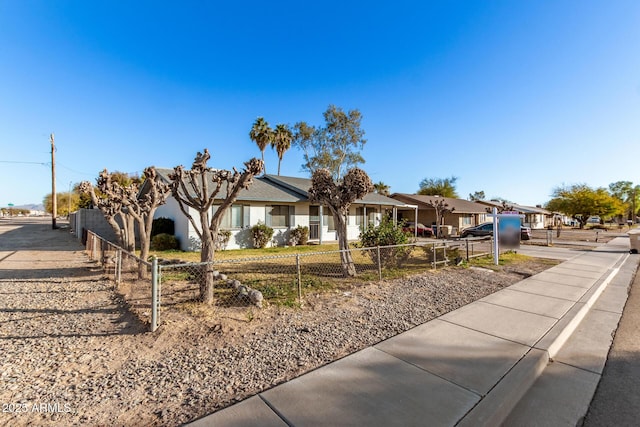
{"x": 163, "y": 226}
{"x": 164, "y": 242}
{"x": 387, "y": 234}
{"x": 261, "y": 234}
{"x": 299, "y": 236}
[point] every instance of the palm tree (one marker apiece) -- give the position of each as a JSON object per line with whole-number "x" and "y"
{"x": 282, "y": 137}
{"x": 381, "y": 188}
{"x": 262, "y": 135}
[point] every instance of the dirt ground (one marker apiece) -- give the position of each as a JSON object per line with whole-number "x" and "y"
{"x": 73, "y": 354}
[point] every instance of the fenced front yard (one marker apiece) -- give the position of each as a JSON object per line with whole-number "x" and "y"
{"x": 149, "y": 287}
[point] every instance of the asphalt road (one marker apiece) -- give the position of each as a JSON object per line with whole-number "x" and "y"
{"x": 617, "y": 398}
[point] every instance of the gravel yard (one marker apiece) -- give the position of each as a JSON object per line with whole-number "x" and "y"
{"x": 73, "y": 355}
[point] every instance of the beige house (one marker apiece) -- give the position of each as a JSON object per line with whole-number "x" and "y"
{"x": 464, "y": 213}
{"x": 535, "y": 217}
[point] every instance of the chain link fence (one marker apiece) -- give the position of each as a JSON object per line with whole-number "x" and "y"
{"x": 132, "y": 276}
{"x": 286, "y": 279}
{"x": 241, "y": 284}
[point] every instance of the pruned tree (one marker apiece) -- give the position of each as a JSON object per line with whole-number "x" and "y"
{"x": 442, "y": 208}
{"x": 142, "y": 206}
{"x": 281, "y": 142}
{"x": 197, "y": 189}
{"x": 445, "y": 187}
{"x": 338, "y": 197}
{"x": 119, "y": 197}
{"x": 109, "y": 200}
{"x": 262, "y": 134}
{"x": 336, "y": 146}
{"x": 505, "y": 206}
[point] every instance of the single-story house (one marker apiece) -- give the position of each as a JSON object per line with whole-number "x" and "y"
{"x": 465, "y": 213}
{"x": 282, "y": 203}
{"x": 535, "y": 217}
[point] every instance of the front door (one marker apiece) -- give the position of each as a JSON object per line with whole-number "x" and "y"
{"x": 314, "y": 222}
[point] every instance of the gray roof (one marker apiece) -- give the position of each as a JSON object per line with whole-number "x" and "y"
{"x": 259, "y": 190}
{"x": 516, "y": 207}
{"x": 286, "y": 189}
{"x": 302, "y": 185}
{"x": 460, "y": 205}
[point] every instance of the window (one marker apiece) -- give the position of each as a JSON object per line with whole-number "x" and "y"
{"x": 279, "y": 215}
{"x": 466, "y": 220}
{"x": 233, "y": 217}
{"x": 329, "y": 222}
{"x": 372, "y": 216}
{"x": 359, "y": 215}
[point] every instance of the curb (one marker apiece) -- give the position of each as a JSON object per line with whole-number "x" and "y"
{"x": 496, "y": 406}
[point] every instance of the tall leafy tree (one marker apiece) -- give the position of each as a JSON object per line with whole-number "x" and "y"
{"x": 67, "y": 202}
{"x": 262, "y": 134}
{"x": 445, "y": 187}
{"x": 198, "y": 188}
{"x": 628, "y": 194}
{"x": 477, "y": 196}
{"x": 282, "y": 137}
{"x": 336, "y": 146}
{"x": 581, "y": 202}
{"x": 382, "y": 188}
{"x": 338, "y": 197}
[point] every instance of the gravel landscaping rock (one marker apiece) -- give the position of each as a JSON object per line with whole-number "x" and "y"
{"x": 69, "y": 343}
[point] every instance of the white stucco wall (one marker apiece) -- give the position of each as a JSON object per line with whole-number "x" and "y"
{"x": 241, "y": 238}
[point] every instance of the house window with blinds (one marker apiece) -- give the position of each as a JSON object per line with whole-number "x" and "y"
{"x": 279, "y": 216}
{"x": 234, "y": 217}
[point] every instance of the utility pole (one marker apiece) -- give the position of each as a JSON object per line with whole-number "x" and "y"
{"x": 54, "y": 201}
{"x": 69, "y": 200}
{"x": 633, "y": 202}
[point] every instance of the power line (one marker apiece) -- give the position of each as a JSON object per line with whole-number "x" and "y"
{"x": 29, "y": 163}
{"x": 73, "y": 170}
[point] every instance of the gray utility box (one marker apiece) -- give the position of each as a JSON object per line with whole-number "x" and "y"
{"x": 634, "y": 240}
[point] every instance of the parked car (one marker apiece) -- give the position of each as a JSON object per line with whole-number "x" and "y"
{"x": 486, "y": 229}
{"x": 423, "y": 230}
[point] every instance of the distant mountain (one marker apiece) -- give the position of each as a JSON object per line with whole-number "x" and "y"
{"x": 31, "y": 207}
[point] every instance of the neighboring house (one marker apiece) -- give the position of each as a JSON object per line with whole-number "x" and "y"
{"x": 465, "y": 213}
{"x": 535, "y": 217}
{"x": 282, "y": 203}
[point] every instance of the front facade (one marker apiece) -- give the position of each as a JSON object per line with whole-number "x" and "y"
{"x": 535, "y": 217}
{"x": 465, "y": 213}
{"x": 281, "y": 203}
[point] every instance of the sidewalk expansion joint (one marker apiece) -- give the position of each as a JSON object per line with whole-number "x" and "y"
{"x": 275, "y": 411}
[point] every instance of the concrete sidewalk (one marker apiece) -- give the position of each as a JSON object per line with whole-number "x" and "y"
{"x": 487, "y": 363}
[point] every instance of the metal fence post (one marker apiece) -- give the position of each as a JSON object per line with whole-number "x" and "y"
{"x": 467, "y": 244}
{"x": 379, "y": 265}
{"x": 155, "y": 301}
{"x": 118, "y": 266}
{"x": 299, "y": 279}
{"x": 435, "y": 256}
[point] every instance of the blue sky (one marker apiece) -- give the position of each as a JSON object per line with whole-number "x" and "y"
{"x": 512, "y": 97}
